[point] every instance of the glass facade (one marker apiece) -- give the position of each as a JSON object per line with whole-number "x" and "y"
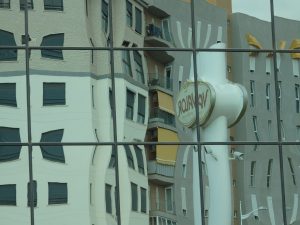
{"x": 94, "y": 98}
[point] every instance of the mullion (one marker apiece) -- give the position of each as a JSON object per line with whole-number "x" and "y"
{"x": 29, "y": 135}
{"x": 278, "y": 117}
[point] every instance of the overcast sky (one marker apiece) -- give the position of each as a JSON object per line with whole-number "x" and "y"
{"x": 261, "y": 8}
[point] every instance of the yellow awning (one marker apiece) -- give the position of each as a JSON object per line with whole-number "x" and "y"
{"x": 295, "y": 45}
{"x": 166, "y": 154}
{"x": 165, "y": 102}
{"x": 253, "y": 41}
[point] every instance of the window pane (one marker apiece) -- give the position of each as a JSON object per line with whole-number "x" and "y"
{"x": 129, "y": 156}
{"x": 140, "y": 159}
{"x": 130, "y": 105}
{"x": 141, "y": 108}
{"x": 29, "y": 4}
{"x": 54, "y": 94}
{"x": 5, "y": 4}
{"x": 8, "y": 194}
{"x": 53, "y": 5}
{"x": 8, "y": 94}
{"x": 53, "y": 153}
{"x": 53, "y": 40}
{"x": 143, "y": 200}
{"x": 129, "y": 13}
{"x": 138, "y": 20}
{"x": 8, "y": 153}
{"x": 7, "y": 39}
{"x": 108, "y": 198}
{"x": 134, "y": 197}
{"x": 58, "y": 193}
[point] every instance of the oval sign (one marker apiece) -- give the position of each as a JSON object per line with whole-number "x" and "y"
{"x": 185, "y": 104}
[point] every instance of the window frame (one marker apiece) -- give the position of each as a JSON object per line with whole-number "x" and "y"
{"x": 12, "y": 102}
{"x": 130, "y": 108}
{"x": 56, "y": 54}
{"x": 54, "y": 201}
{"x": 134, "y": 202}
{"x": 13, "y": 202}
{"x": 48, "y": 101}
{"x": 138, "y": 21}
{"x": 58, "y": 7}
{"x": 5, "y": 5}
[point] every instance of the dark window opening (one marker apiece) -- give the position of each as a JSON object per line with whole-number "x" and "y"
{"x": 58, "y": 193}
{"x": 54, "y": 94}
{"x": 53, "y": 153}
{"x": 53, "y": 40}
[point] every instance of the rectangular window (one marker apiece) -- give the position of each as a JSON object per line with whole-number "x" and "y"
{"x": 126, "y": 63}
{"x": 56, "y": 5}
{"x": 34, "y": 192}
{"x": 166, "y": 30}
{"x": 134, "y": 197}
{"x": 54, "y": 94}
{"x": 141, "y": 109}
{"x": 8, "y": 39}
{"x": 169, "y": 199}
{"x": 8, "y": 94}
{"x": 270, "y": 164}
{"x": 112, "y": 161}
{"x": 295, "y": 63}
{"x": 92, "y": 51}
{"x": 29, "y": 4}
{"x": 130, "y": 104}
{"x": 129, "y": 13}
{"x": 279, "y": 93}
{"x": 140, "y": 159}
{"x": 53, "y": 40}
{"x": 129, "y": 156}
{"x": 139, "y": 67}
{"x": 282, "y": 130}
{"x": 268, "y": 65}
{"x": 183, "y": 201}
{"x": 8, "y": 153}
{"x": 8, "y": 194}
{"x": 138, "y": 20}
{"x": 251, "y": 64}
{"x": 104, "y": 11}
{"x": 5, "y": 4}
{"x": 298, "y": 133}
{"x": 143, "y": 200}
{"x": 292, "y": 170}
{"x": 268, "y": 96}
{"x": 58, "y": 193}
{"x": 169, "y": 78}
{"x": 252, "y": 91}
{"x": 255, "y": 129}
{"x": 108, "y": 198}
{"x": 93, "y": 97}
{"x": 297, "y": 97}
{"x": 252, "y": 174}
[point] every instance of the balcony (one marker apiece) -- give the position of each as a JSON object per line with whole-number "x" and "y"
{"x": 160, "y": 173}
{"x": 155, "y": 37}
{"x": 160, "y": 81}
{"x": 160, "y": 116}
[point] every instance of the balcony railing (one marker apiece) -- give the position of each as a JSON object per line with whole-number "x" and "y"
{"x": 155, "y": 31}
{"x": 161, "y": 81}
{"x": 160, "y": 169}
{"x": 158, "y": 115}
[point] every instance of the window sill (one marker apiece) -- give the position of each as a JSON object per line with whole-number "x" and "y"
{"x": 52, "y": 59}
{"x": 57, "y": 204}
{"x": 54, "y": 10}
{"x": 9, "y": 106}
{"x": 58, "y": 106}
{"x": 9, "y": 61}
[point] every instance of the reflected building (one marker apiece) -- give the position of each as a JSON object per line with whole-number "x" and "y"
{"x": 71, "y": 100}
